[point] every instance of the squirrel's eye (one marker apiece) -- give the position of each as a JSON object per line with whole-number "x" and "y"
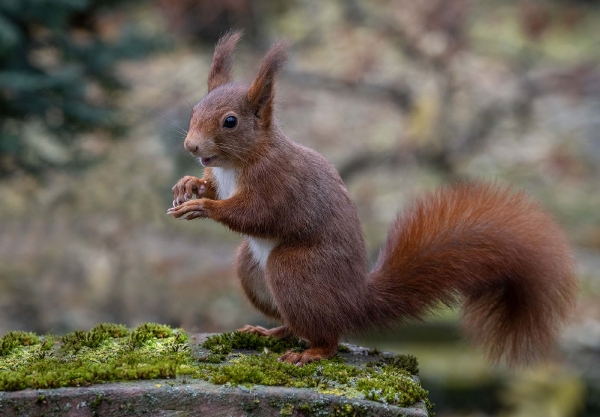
{"x": 230, "y": 122}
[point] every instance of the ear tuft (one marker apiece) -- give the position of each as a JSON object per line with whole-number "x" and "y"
{"x": 262, "y": 90}
{"x": 221, "y": 71}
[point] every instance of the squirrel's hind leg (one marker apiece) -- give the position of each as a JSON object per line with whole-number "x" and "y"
{"x": 254, "y": 283}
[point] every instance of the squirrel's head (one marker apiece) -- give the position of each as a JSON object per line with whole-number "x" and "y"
{"x": 230, "y": 121}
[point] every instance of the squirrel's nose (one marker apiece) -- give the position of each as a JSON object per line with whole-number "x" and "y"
{"x": 190, "y": 147}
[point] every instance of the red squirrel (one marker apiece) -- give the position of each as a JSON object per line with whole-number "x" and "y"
{"x": 303, "y": 260}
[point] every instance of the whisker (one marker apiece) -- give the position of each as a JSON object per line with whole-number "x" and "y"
{"x": 229, "y": 150}
{"x": 178, "y": 131}
{"x": 235, "y": 152}
{"x": 235, "y": 149}
{"x": 236, "y": 146}
{"x": 252, "y": 152}
{"x": 173, "y": 123}
{"x": 178, "y": 134}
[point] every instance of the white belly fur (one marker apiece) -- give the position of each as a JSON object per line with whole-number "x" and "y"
{"x": 261, "y": 249}
{"x": 226, "y": 179}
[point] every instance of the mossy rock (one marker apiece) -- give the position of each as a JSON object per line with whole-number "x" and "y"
{"x": 83, "y": 374}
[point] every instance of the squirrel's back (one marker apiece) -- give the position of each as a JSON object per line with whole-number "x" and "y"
{"x": 306, "y": 190}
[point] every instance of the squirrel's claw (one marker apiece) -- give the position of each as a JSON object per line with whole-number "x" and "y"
{"x": 298, "y": 359}
{"x": 186, "y": 188}
{"x": 259, "y": 330}
{"x": 189, "y": 210}
{"x": 281, "y": 332}
{"x": 309, "y": 355}
{"x": 195, "y": 215}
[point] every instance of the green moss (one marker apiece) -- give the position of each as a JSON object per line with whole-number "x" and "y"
{"x": 96, "y": 403}
{"x": 105, "y": 353}
{"x": 73, "y": 342}
{"x": 394, "y": 386}
{"x": 339, "y": 410}
{"x": 344, "y": 349}
{"x": 407, "y": 362}
{"x": 149, "y": 331}
{"x": 226, "y": 342}
{"x": 348, "y": 410}
{"x": 213, "y": 358}
{"x": 14, "y": 339}
{"x": 389, "y": 384}
{"x": 251, "y": 406}
{"x": 113, "y": 353}
{"x": 287, "y": 410}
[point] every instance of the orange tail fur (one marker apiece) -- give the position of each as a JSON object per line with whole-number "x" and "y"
{"x": 495, "y": 250}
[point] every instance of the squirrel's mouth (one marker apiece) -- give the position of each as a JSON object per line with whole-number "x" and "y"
{"x": 208, "y": 160}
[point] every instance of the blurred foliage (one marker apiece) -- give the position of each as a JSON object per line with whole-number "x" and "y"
{"x": 58, "y": 78}
{"x": 209, "y": 19}
{"x": 544, "y": 392}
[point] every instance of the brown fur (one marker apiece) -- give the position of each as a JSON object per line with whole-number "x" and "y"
{"x": 221, "y": 71}
{"x": 254, "y": 283}
{"x": 262, "y": 91}
{"x": 495, "y": 249}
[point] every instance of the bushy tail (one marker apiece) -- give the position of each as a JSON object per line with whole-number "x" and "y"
{"x": 495, "y": 250}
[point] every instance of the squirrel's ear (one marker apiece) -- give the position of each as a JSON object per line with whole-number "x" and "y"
{"x": 221, "y": 71}
{"x": 262, "y": 90}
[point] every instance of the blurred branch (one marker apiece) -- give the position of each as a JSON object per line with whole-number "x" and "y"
{"x": 434, "y": 34}
{"x": 474, "y": 137}
{"x": 429, "y": 32}
{"x": 398, "y": 94}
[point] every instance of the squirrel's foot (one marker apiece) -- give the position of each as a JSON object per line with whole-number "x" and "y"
{"x": 309, "y": 355}
{"x": 280, "y": 332}
{"x": 185, "y": 189}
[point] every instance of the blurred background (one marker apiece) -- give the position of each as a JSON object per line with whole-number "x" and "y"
{"x": 401, "y": 95}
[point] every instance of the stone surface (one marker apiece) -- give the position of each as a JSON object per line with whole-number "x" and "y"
{"x": 191, "y": 397}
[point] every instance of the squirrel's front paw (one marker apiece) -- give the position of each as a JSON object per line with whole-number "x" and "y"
{"x": 185, "y": 189}
{"x": 189, "y": 210}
